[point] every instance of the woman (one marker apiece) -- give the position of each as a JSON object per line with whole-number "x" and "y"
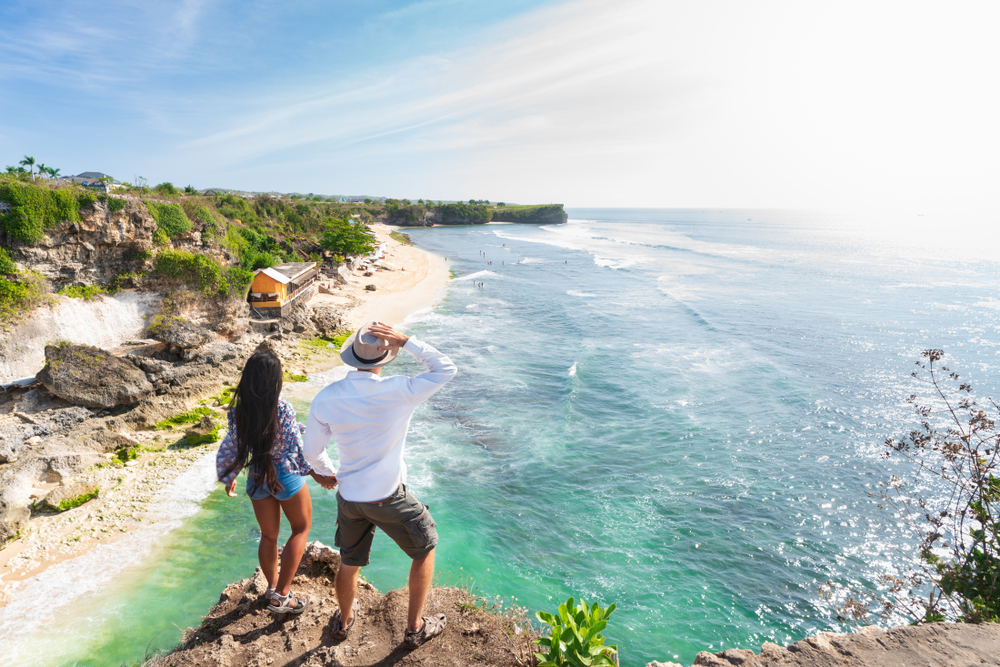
{"x": 264, "y": 438}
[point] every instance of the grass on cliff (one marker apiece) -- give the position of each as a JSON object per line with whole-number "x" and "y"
{"x": 20, "y": 294}
{"x": 190, "y": 417}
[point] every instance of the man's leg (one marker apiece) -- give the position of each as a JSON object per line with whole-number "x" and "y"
{"x": 421, "y": 576}
{"x": 347, "y": 589}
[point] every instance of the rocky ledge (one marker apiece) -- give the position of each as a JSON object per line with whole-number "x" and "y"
{"x": 240, "y": 631}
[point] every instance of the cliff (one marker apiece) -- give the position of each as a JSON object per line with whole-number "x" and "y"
{"x": 240, "y": 631}
{"x": 422, "y": 215}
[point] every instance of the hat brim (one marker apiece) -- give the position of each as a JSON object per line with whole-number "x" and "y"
{"x": 347, "y": 354}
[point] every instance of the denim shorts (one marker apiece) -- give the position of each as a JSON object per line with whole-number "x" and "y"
{"x": 290, "y": 485}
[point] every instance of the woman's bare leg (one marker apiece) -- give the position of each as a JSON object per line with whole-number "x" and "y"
{"x": 298, "y": 511}
{"x": 268, "y": 513}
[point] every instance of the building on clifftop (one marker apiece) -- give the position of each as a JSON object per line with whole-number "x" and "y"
{"x": 274, "y": 289}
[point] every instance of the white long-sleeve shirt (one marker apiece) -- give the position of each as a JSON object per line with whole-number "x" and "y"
{"x": 368, "y": 416}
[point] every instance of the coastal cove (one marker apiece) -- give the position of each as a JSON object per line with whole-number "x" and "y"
{"x": 681, "y": 412}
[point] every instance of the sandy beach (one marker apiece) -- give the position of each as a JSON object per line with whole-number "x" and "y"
{"x": 415, "y": 281}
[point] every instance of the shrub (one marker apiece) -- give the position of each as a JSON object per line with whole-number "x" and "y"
{"x": 576, "y": 638}
{"x": 170, "y": 218}
{"x": 160, "y": 237}
{"x": 958, "y": 575}
{"x": 166, "y": 189}
{"x": 7, "y": 266}
{"x": 87, "y": 292}
{"x": 34, "y": 209}
{"x": 116, "y": 204}
{"x": 17, "y": 297}
{"x": 202, "y": 273}
{"x": 86, "y": 199}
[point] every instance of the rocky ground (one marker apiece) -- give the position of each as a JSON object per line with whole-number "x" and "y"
{"x": 934, "y": 645}
{"x": 240, "y": 631}
{"x": 81, "y": 455}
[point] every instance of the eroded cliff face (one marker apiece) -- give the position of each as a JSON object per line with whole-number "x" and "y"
{"x": 102, "y": 245}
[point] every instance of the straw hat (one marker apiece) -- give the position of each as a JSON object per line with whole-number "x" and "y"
{"x": 361, "y": 349}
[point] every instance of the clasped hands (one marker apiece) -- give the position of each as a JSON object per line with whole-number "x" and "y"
{"x": 328, "y": 482}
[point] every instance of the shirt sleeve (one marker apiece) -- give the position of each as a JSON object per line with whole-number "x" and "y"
{"x": 227, "y": 454}
{"x": 292, "y": 438}
{"x": 314, "y": 442}
{"x": 440, "y": 371}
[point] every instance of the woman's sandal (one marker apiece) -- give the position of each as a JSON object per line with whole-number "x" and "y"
{"x": 287, "y": 604}
{"x": 339, "y": 631}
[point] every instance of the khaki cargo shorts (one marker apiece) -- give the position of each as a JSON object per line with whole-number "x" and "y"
{"x": 400, "y": 516}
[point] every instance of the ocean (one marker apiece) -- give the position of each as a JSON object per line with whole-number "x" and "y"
{"x": 678, "y": 411}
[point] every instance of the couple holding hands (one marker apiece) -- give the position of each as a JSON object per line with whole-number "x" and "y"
{"x": 367, "y": 415}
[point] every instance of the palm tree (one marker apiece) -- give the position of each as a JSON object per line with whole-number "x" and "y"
{"x": 54, "y": 173}
{"x": 42, "y": 169}
{"x": 30, "y": 163}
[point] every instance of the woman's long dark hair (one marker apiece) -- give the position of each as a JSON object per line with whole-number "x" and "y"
{"x": 255, "y": 414}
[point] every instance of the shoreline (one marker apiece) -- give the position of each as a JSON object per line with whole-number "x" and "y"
{"x": 133, "y": 490}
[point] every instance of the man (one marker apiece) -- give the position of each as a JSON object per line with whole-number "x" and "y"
{"x": 368, "y": 415}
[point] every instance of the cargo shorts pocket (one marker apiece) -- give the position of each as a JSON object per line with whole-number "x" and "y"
{"x": 422, "y": 531}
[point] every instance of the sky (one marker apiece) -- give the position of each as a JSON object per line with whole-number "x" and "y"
{"x": 588, "y": 103}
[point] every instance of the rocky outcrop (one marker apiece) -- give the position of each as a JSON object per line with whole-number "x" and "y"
{"x": 326, "y": 320}
{"x": 100, "y": 246}
{"x": 180, "y": 333}
{"x": 240, "y": 631}
{"x": 12, "y": 519}
{"x": 68, "y": 496}
{"x": 92, "y": 377}
{"x": 934, "y": 644}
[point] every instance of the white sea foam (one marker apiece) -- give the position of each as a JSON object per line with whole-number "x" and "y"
{"x": 65, "y": 583}
{"x": 582, "y": 295}
{"x": 534, "y": 260}
{"x": 572, "y": 370}
{"x": 480, "y": 275}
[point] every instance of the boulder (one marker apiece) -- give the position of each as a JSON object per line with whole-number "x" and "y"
{"x": 180, "y": 332}
{"x": 370, "y": 288}
{"x": 71, "y": 495}
{"x": 12, "y": 519}
{"x": 204, "y": 427}
{"x": 326, "y": 319}
{"x": 92, "y": 377}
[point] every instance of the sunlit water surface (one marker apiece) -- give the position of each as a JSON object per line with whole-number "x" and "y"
{"x": 681, "y": 412}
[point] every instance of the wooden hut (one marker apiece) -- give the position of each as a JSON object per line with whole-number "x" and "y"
{"x": 274, "y": 289}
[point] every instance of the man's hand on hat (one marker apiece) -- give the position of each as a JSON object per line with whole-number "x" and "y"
{"x": 394, "y": 337}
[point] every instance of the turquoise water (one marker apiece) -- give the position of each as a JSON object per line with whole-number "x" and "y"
{"x": 677, "y": 411}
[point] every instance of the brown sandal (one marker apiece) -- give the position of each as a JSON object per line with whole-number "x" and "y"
{"x": 432, "y": 627}
{"x": 339, "y": 631}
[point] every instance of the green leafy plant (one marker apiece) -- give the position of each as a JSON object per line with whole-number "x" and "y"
{"x": 170, "y": 218}
{"x": 7, "y": 266}
{"x": 35, "y": 208}
{"x": 576, "y": 638}
{"x": 70, "y": 503}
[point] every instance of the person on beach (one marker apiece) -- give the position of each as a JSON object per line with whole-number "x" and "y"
{"x": 368, "y": 416}
{"x": 264, "y": 438}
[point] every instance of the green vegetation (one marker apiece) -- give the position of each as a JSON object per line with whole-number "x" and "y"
{"x": 70, "y": 503}
{"x": 958, "y": 577}
{"x": 347, "y": 238}
{"x": 20, "y": 295}
{"x": 7, "y": 266}
{"x": 338, "y": 339}
{"x": 291, "y": 377}
{"x": 198, "y": 440}
{"x": 34, "y": 209}
{"x": 190, "y": 417}
{"x": 399, "y": 236}
{"x": 116, "y": 204}
{"x": 576, "y": 639}
{"x": 467, "y": 213}
{"x": 202, "y": 273}
{"x": 170, "y": 219}
{"x": 166, "y": 189}
{"x": 87, "y": 292}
